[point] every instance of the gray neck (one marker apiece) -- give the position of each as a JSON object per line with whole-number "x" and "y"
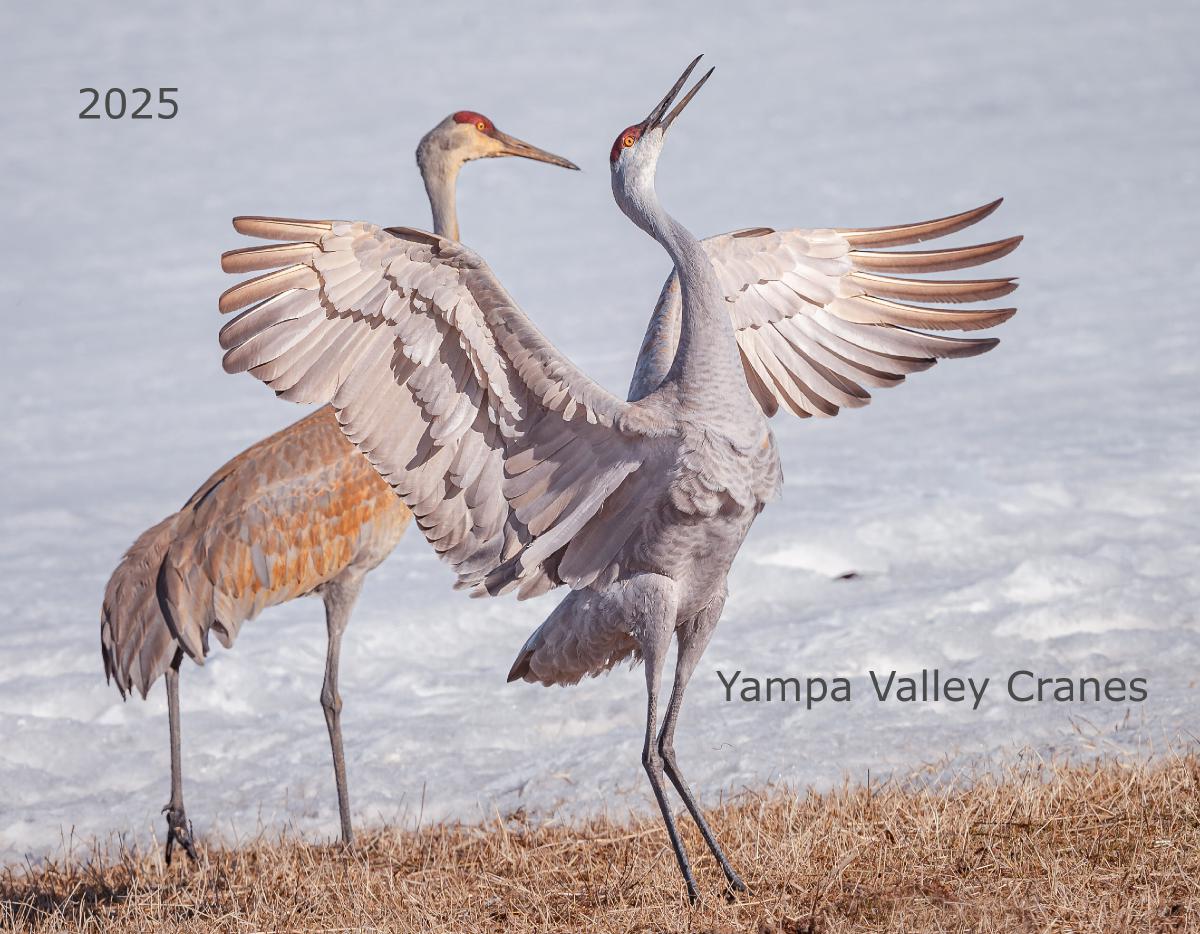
{"x": 439, "y": 171}
{"x": 707, "y": 367}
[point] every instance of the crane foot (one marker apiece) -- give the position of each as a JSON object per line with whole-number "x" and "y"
{"x": 179, "y": 830}
{"x": 733, "y": 886}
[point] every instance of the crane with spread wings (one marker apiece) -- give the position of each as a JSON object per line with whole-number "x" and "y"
{"x": 525, "y": 474}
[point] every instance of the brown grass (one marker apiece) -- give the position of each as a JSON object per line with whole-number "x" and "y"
{"x": 1101, "y": 847}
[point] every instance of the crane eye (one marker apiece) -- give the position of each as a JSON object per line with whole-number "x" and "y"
{"x": 481, "y": 126}
{"x": 628, "y": 141}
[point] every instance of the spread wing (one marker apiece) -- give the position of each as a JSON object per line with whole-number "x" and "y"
{"x": 820, "y": 316}
{"x": 509, "y": 457}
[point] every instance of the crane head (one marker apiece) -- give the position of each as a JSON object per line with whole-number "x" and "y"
{"x": 634, "y": 155}
{"x": 654, "y": 127}
{"x": 467, "y": 135}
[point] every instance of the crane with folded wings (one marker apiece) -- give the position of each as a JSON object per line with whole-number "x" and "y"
{"x": 300, "y": 512}
{"x": 524, "y": 473}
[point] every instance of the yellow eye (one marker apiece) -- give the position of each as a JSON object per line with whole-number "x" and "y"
{"x": 481, "y": 126}
{"x": 628, "y": 141}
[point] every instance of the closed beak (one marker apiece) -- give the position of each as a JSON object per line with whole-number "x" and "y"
{"x": 517, "y": 147}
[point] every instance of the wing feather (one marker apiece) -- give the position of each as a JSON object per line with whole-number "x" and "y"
{"x": 933, "y": 260}
{"x": 278, "y": 228}
{"x": 503, "y": 450}
{"x": 288, "y": 305}
{"x": 254, "y": 258}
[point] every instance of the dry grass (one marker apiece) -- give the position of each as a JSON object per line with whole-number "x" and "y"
{"x": 1104, "y": 847}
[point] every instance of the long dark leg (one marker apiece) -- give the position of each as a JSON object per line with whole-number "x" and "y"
{"x": 693, "y": 639}
{"x": 179, "y": 828}
{"x": 340, "y": 596}
{"x": 653, "y": 621}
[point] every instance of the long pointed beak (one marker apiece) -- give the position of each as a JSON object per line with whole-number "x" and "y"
{"x": 656, "y": 118}
{"x": 518, "y": 147}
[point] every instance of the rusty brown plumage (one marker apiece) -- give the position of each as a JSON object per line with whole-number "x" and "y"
{"x": 135, "y": 641}
{"x": 274, "y": 523}
{"x": 299, "y": 512}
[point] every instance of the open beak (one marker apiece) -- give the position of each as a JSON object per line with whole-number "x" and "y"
{"x": 517, "y": 147}
{"x": 656, "y": 118}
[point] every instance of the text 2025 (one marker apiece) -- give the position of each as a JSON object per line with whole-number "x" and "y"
{"x": 118, "y": 104}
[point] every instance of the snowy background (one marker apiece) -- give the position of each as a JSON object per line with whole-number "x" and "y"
{"x": 1037, "y": 508}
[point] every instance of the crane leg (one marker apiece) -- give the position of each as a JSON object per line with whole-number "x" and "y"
{"x": 339, "y": 595}
{"x": 653, "y": 604}
{"x": 693, "y": 640}
{"x": 179, "y": 828}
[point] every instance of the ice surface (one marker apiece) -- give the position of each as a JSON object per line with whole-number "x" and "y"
{"x": 1035, "y": 508}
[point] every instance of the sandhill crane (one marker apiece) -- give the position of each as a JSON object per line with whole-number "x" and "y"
{"x": 523, "y": 473}
{"x": 300, "y": 512}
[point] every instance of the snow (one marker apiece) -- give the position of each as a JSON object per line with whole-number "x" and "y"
{"x": 1034, "y": 509}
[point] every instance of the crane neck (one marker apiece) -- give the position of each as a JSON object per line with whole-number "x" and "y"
{"x": 439, "y": 171}
{"x": 707, "y": 366}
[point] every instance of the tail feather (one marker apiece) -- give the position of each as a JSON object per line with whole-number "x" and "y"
{"x": 135, "y": 640}
{"x": 185, "y": 600}
{"x": 276, "y": 522}
{"x": 584, "y": 636}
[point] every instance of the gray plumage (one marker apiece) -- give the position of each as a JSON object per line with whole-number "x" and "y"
{"x": 523, "y": 473}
